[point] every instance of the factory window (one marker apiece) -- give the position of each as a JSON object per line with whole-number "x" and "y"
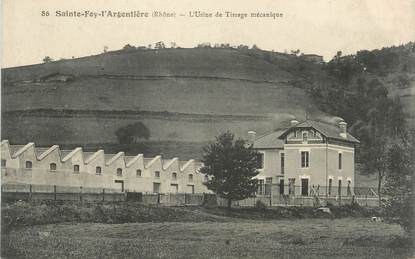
{"x": 157, "y": 174}
{"x": 3, "y": 163}
{"x": 28, "y": 164}
{"x": 52, "y": 167}
{"x": 76, "y": 168}
{"x": 190, "y": 178}
{"x": 138, "y": 173}
{"x": 119, "y": 172}
{"x": 174, "y": 176}
{"x": 98, "y": 170}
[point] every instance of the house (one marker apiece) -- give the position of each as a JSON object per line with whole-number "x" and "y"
{"x": 317, "y": 59}
{"x": 305, "y": 158}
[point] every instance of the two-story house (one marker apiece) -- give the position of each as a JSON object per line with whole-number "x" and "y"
{"x": 307, "y": 157}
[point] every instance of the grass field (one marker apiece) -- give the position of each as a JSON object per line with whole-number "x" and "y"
{"x": 232, "y": 238}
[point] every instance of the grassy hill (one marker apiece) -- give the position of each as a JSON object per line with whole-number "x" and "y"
{"x": 181, "y": 95}
{"x": 184, "y": 96}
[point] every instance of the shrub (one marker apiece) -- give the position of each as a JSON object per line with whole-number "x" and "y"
{"x": 259, "y": 205}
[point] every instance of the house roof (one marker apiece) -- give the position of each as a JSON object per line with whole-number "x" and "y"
{"x": 328, "y": 130}
{"x": 270, "y": 140}
{"x": 275, "y": 139}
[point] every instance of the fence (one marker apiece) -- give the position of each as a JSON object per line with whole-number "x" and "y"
{"x": 12, "y": 192}
{"x": 272, "y": 195}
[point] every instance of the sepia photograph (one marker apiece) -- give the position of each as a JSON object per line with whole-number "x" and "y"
{"x": 207, "y": 129}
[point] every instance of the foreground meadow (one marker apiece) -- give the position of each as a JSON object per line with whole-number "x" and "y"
{"x": 233, "y": 238}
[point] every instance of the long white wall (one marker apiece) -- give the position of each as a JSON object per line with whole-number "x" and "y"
{"x": 135, "y": 173}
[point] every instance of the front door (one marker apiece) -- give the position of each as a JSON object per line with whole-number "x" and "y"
{"x": 304, "y": 187}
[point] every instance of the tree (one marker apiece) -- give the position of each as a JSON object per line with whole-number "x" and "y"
{"x": 159, "y": 45}
{"x": 128, "y": 47}
{"x": 399, "y": 185}
{"x": 132, "y": 133}
{"x": 230, "y": 165}
{"x": 47, "y": 59}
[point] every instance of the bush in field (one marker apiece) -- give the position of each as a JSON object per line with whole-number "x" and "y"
{"x": 132, "y": 133}
{"x": 230, "y": 165}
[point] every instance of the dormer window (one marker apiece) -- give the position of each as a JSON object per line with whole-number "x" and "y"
{"x": 305, "y": 136}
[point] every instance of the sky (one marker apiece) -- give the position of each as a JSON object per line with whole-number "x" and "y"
{"x": 320, "y": 26}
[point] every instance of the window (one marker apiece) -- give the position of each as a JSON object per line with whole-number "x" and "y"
{"x": 52, "y": 167}
{"x": 138, "y": 173}
{"x": 282, "y": 163}
{"x": 330, "y": 185}
{"x": 260, "y": 187}
{"x": 157, "y": 174}
{"x": 174, "y": 176}
{"x": 340, "y": 188}
{"x": 305, "y": 136}
{"x": 119, "y": 172}
{"x": 260, "y": 160}
{"x": 3, "y": 163}
{"x": 190, "y": 178}
{"x": 98, "y": 170}
{"x": 156, "y": 187}
{"x": 305, "y": 156}
{"x": 295, "y": 134}
{"x": 281, "y": 186}
{"x": 76, "y": 168}
{"x": 28, "y": 165}
{"x": 340, "y": 161}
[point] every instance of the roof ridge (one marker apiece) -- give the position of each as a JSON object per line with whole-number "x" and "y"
{"x": 270, "y": 132}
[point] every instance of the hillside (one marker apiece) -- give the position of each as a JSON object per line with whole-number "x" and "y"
{"x": 181, "y": 95}
{"x": 184, "y": 96}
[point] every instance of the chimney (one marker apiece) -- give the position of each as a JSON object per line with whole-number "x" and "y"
{"x": 251, "y": 137}
{"x": 293, "y": 122}
{"x": 343, "y": 128}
